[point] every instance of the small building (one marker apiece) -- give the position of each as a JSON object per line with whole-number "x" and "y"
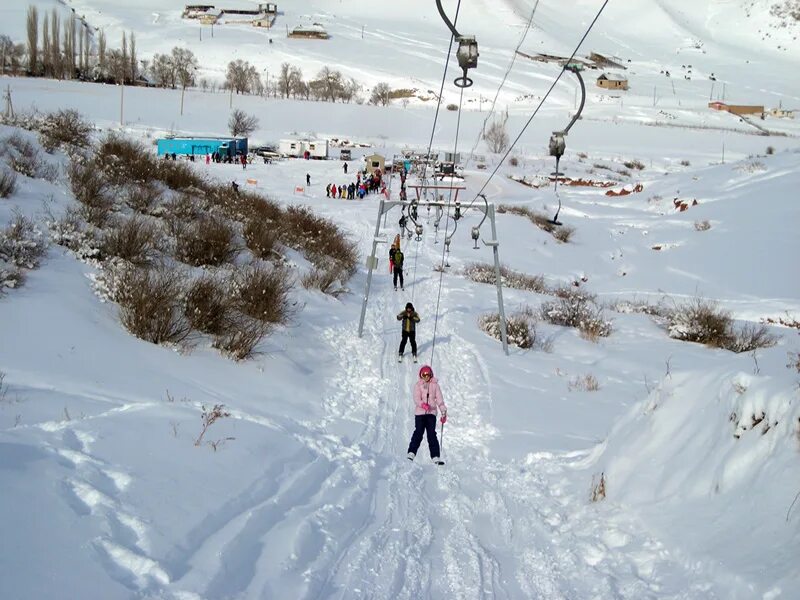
{"x": 313, "y": 31}
{"x": 374, "y": 162}
{"x": 226, "y": 146}
{"x": 612, "y": 81}
{"x": 345, "y": 154}
{"x": 606, "y": 61}
{"x": 738, "y": 109}
{"x": 194, "y": 11}
{"x": 297, "y": 148}
{"x": 451, "y": 157}
{"x": 782, "y": 113}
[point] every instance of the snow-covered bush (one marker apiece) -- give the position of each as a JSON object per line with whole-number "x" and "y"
{"x": 142, "y": 198}
{"x": 541, "y": 220}
{"x": 577, "y": 311}
{"x": 241, "y": 336}
{"x": 90, "y": 190}
{"x": 150, "y": 301}
{"x": 22, "y": 245}
{"x": 23, "y": 156}
{"x": 179, "y": 175}
{"x": 135, "y": 239}
{"x": 206, "y": 241}
{"x": 71, "y": 232}
{"x": 124, "y": 161}
{"x": 704, "y": 322}
{"x": 10, "y": 277}
{"x": 64, "y": 129}
{"x": 260, "y": 238}
{"x": 520, "y": 330}
{"x": 584, "y": 383}
{"x": 484, "y": 273}
{"x": 262, "y": 292}
{"x": 702, "y": 225}
{"x": 207, "y": 306}
{"x": 8, "y": 183}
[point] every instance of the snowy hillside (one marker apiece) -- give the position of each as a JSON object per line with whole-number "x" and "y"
{"x": 303, "y": 490}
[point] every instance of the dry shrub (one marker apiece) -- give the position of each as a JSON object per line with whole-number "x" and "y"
{"x": 541, "y": 220}
{"x": 150, "y": 303}
{"x": 262, "y": 292}
{"x": 179, "y": 175}
{"x": 634, "y": 164}
{"x": 241, "y": 336}
{"x": 702, "y": 225}
{"x": 520, "y": 329}
{"x": 577, "y": 311}
{"x": 71, "y": 231}
{"x": 584, "y": 383}
{"x": 124, "y": 161}
{"x": 182, "y": 207}
{"x": 794, "y": 361}
{"x": 563, "y": 233}
{"x": 686, "y": 163}
{"x": 90, "y": 189}
{"x": 208, "y": 241}
{"x": 135, "y": 239}
{"x": 21, "y": 243}
{"x": 640, "y": 307}
{"x": 770, "y": 150}
{"x": 598, "y": 488}
{"x": 64, "y": 129}
{"x": 10, "y": 277}
{"x": 704, "y": 322}
{"x": 484, "y": 273}
{"x": 8, "y": 183}
{"x": 583, "y": 155}
{"x": 142, "y": 198}
{"x": 207, "y": 306}
{"x": 452, "y": 107}
{"x": 23, "y": 156}
{"x": 513, "y": 161}
{"x": 260, "y": 237}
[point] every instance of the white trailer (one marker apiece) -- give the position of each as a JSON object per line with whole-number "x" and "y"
{"x": 316, "y": 148}
{"x": 291, "y": 147}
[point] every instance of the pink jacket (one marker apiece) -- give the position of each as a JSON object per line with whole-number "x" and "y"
{"x": 431, "y": 394}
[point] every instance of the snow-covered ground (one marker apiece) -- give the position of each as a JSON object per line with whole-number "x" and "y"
{"x": 106, "y": 496}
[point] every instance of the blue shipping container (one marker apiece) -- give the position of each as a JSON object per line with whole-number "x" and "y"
{"x": 202, "y": 146}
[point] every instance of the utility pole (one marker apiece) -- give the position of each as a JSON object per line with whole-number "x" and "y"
{"x": 230, "y": 104}
{"x": 183, "y": 90}
{"x": 723, "y": 91}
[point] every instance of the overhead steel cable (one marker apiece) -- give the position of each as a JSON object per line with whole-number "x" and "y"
{"x": 544, "y": 99}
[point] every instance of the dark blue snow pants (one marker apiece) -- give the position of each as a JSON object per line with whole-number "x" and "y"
{"x": 422, "y": 424}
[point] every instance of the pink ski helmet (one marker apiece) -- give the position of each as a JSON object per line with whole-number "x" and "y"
{"x": 425, "y": 370}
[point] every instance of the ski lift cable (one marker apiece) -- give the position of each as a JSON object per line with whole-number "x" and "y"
{"x": 541, "y": 103}
{"x": 433, "y": 129}
{"x": 502, "y": 83}
{"x": 446, "y": 244}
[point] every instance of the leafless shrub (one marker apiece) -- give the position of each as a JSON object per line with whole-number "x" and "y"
{"x": 207, "y": 306}
{"x": 135, "y": 239}
{"x": 11, "y": 278}
{"x": 563, "y": 233}
{"x": 64, "y": 129}
{"x": 242, "y": 124}
{"x": 634, "y": 164}
{"x": 452, "y": 107}
{"x": 241, "y": 336}
{"x": 179, "y": 209}
{"x": 598, "y": 488}
{"x": 702, "y": 321}
{"x": 8, "y": 183}
{"x": 702, "y": 225}
{"x": 484, "y": 273}
{"x": 752, "y": 337}
{"x": 209, "y": 417}
{"x": 520, "y": 331}
{"x": 583, "y": 155}
{"x": 262, "y": 293}
{"x": 21, "y": 243}
{"x": 686, "y": 163}
{"x": 584, "y": 383}
{"x": 142, "y": 198}
{"x": 580, "y": 312}
{"x": 794, "y": 361}
{"x": 124, "y": 161}
{"x": 640, "y": 307}
{"x": 150, "y": 303}
{"x": 23, "y": 156}
{"x": 90, "y": 189}
{"x": 179, "y": 175}
{"x": 71, "y": 232}
{"x": 513, "y": 161}
{"x": 208, "y": 241}
{"x": 770, "y": 150}
{"x": 260, "y": 237}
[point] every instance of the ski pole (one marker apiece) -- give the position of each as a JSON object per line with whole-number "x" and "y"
{"x": 441, "y": 444}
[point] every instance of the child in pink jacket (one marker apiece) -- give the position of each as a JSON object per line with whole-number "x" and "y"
{"x": 427, "y": 400}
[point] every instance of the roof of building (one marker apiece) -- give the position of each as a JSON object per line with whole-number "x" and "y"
{"x": 613, "y": 77}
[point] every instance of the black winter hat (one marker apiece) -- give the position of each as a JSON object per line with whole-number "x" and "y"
{"x": 409, "y": 305}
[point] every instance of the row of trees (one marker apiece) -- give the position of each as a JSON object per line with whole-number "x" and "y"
{"x": 65, "y": 50}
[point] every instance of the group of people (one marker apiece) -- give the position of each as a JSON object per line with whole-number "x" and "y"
{"x": 363, "y": 185}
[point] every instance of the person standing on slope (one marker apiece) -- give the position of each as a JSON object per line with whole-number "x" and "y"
{"x": 397, "y": 262}
{"x": 427, "y": 401}
{"x": 409, "y": 318}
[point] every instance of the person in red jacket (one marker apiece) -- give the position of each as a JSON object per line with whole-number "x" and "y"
{"x": 427, "y": 401}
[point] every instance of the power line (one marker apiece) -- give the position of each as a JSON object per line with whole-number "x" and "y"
{"x": 503, "y": 82}
{"x": 555, "y": 82}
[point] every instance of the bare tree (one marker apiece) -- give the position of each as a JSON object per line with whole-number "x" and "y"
{"x": 55, "y": 40}
{"x": 496, "y": 136}
{"x": 241, "y": 76}
{"x": 132, "y": 58}
{"x": 87, "y": 46}
{"x": 69, "y": 47}
{"x": 284, "y": 79}
{"x": 329, "y": 82}
{"x": 184, "y": 64}
{"x": 6, "y": 49}
{"x": 242, "y": 124}
{"x": 32, "y": 27}
{"x": 117, "y": 66}
{"x": 350, "y": 90}
{"x": 47, "y": 68}
{"x": 380, "y": 94}
{"x": 125, "y": 51}
{"x": 163, "y": 71}
{"x": 101, "y": 55}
